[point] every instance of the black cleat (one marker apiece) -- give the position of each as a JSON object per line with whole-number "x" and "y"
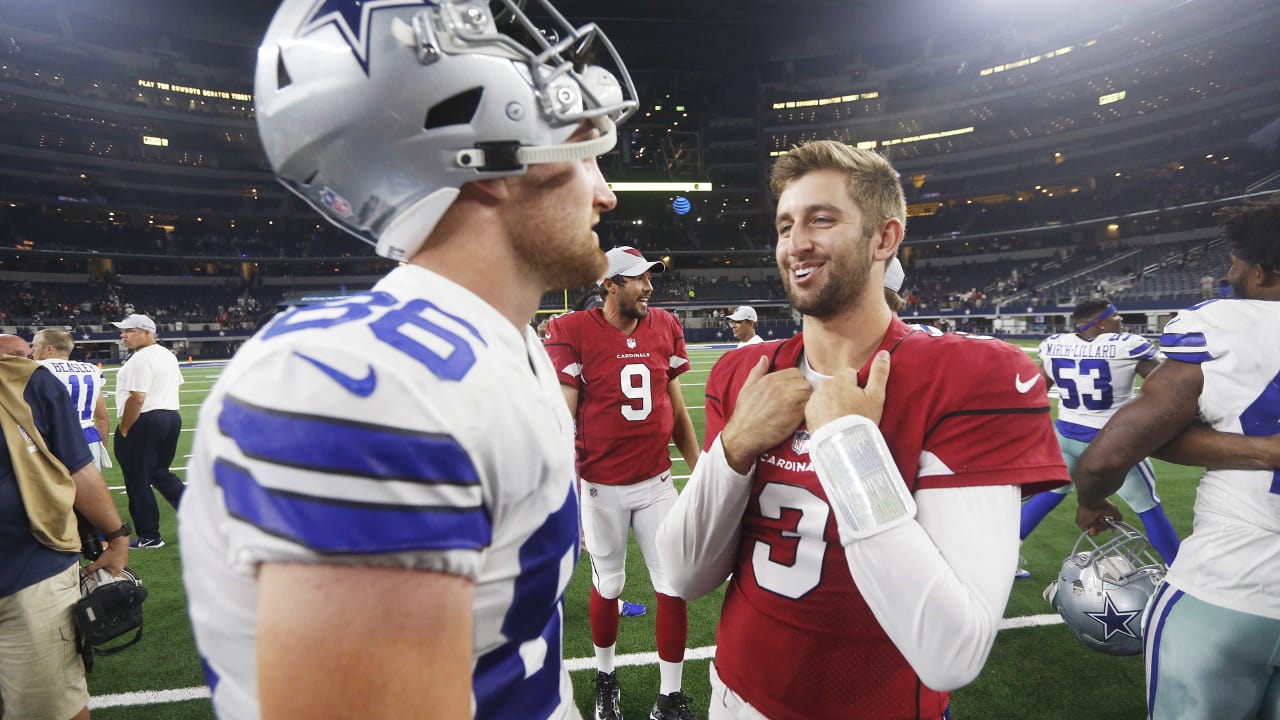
{"x": 671, "y": 707}
{"x": 608, "y": 694}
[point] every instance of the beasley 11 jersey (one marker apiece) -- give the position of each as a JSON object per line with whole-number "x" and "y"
{"x": 1094, "y": 378}
{"x": 624, "y": 418}
{"x": 411, "y": 426}
{"x": 956, "y": 414}
{"x": 84, "y": 381}
{"x": 1232, "y": 557}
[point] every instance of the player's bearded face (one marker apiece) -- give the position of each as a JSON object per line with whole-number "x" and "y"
{"x": 559, "y": 204}
{"x": 633, "y": 297}
{"x": 822, "y": 252}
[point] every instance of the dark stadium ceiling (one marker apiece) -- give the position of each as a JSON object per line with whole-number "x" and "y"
{"x": 707, "y": 52}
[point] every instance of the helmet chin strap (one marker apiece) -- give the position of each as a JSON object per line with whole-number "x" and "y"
{"x": 402, "y": 239}
{"x": 480, "y": 158}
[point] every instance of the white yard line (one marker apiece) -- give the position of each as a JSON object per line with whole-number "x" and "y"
{"x": 582, "y": 664}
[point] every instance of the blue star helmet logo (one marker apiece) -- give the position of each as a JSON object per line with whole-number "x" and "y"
{"x": 1114, "y": 621}
{"x": 352, "y": 19}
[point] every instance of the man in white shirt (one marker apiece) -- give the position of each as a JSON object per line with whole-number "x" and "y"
{"x": 743, "y": 324}
{"x": 148, "y": 428}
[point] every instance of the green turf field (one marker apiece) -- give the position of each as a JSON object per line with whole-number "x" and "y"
{"x": 1038, "y": 671}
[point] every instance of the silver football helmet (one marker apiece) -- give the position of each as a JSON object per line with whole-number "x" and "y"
{"x": 376, "y": 112}
{"x": 1103, "y": 589}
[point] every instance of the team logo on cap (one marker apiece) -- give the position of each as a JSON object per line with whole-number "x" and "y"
{"x": 800, "y": 442}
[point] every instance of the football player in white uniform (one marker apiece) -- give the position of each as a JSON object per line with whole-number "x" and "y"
{"x": 52, "y": 348}
{"x": 1094, "y": 370}
{"x": 382, "y": 515}
{"x": 1212, "y": 631}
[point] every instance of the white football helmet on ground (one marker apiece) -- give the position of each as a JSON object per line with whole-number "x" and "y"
{"x": 376, "y": 112}
{"x": 1103, "y": 589}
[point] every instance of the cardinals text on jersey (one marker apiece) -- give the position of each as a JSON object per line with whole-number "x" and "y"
{"x": 1232, "y": 557}
{"x": 410, "y": 426}
{"x": 953, "y": 416}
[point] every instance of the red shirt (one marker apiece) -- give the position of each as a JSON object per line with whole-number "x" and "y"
{"x": 953, "y": 417}
{"x": 624, "y": 418}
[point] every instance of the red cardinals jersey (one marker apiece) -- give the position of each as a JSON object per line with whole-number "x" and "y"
{"x": 955, "y": 415}
{"x": 624, "y": 418}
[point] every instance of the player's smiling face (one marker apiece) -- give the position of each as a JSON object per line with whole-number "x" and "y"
{"x": 823, "y": 252}
{"x": 633, "y": 296}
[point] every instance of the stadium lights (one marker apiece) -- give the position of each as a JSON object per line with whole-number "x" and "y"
{"x": 660, "y": 186}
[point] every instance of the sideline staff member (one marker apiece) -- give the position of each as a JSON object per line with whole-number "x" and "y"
{"x": 41, "y": 674}
{"x": 147, "y": 433}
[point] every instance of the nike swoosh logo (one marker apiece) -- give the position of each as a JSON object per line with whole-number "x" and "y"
{"x": 1024, "y": 386}
{"x": 360, "y": 387}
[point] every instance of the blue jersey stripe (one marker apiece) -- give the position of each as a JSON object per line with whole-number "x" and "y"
{"x": 1153, "y": 648}
{"x": 1187, "y": 356}
{"x": 1192, "y": 340}
{"x": 330, "y": 525}
{"x": 1144, "y": 351}
{"x": 328, "y": 445}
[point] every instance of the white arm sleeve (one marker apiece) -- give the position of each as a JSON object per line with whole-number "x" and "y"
{"x": 698, "y": 540}
{"x": 939, "y": 584}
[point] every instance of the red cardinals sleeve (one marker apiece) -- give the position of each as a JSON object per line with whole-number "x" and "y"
{"x": 988, "y": 421}
{"x": 563, "y": 351}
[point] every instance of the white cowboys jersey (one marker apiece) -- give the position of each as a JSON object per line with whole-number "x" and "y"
{"x": 1094, "y": 378}
{"x": 84, "y": 382}
{"x": 410, "y": 426}
{"x": 1232, "y": 558}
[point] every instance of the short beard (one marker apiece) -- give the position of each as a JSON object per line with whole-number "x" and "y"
{"x": 1239, "y": 288}
{"x": 559, "y": 267}
{"x": 842, "y": 288}
{"x": 635, "y": 310}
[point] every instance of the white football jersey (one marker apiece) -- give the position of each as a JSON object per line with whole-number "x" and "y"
{"x": 84, "y": 381}
{"x": 1093, "y": 378}
{"x": 1232, "y": 558}
{"x": 410, "y": 426}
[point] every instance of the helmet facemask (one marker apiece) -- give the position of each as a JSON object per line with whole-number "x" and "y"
{"x": 1102, "y": 589}
{"x": 378, "y": 127}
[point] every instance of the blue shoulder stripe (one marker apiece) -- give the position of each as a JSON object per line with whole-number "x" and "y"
{"x": 1188, "y": 356}
{"x": 1192, "y": 340}
{"x": 331, "y": 525}
{"x": 328, "y": 445}
{"x": 1143, "y": 351}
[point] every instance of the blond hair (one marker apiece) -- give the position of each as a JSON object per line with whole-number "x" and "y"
{"x": 870, "y": 179}
{"x": 59, "y": 340}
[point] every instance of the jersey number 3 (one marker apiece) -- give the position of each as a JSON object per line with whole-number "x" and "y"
{"x": 796, "y": 578}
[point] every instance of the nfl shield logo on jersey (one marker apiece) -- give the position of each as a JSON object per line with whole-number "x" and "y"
{"x": 631, "y": 343}
{"x": 800, "y": 443}
{"x": 335, "y": 202}
{"x": 594, "y": 492}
